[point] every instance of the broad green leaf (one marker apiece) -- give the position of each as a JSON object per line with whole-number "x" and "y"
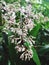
{"x": 35, "y": 57}
{"x": 35, "y": 30}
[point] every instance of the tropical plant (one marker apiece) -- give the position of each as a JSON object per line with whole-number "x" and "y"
{"x": 24, "y": 31}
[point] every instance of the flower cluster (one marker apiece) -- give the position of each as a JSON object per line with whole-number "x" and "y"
{"x": 14, "y": 12}
{"x": 27, "y": 55}
{"x": 8, "y": 12}
{"x": 25, "y": 23}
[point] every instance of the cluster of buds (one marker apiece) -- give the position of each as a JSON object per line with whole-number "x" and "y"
{"x": 8, "y": 12}
{"x": 20, "y": 28}
{"x": 28, "y": 54}
{"x": 20, "y": 32}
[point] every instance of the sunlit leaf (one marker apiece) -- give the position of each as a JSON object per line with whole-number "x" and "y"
{"x": 35, "y": 30}
{"x": 35, "y": 57}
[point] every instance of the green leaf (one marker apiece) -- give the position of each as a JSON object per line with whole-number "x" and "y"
{"x": 0, "y": 18}
{"x": 35, "y": 30}
{"x": 23, "y": 3}
{"x": 27, "y": 44}
{"x": 11, "y": 1}
{"x": 44, "y": 49}
{"x": 9, "y": 63}
{"x": 46, "y": 2}
{"x": 1, "y": 27}
{"x": 12, "y": 52}
{"x": 8, "y": 32}
{"x": 46, "y": 25}
{"x": 0, "y": 39}
{"x": 35, "y": 57}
